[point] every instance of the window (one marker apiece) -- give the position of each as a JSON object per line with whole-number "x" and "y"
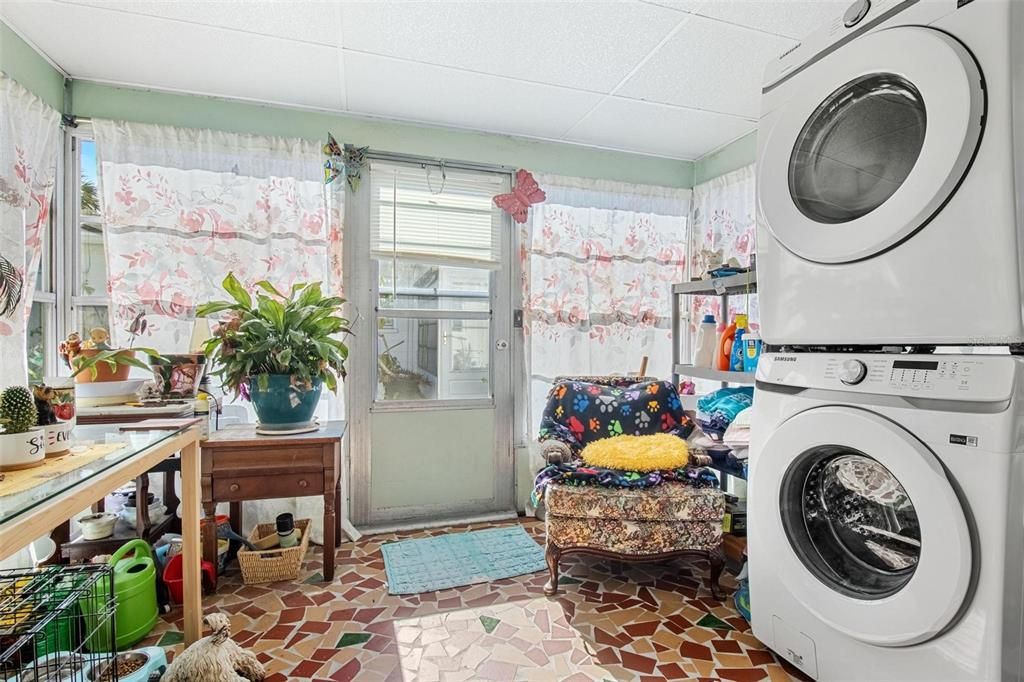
{"x": 41, "y": 338}
{"x": 435, "y": 245}
{"x": 90, "y": 304}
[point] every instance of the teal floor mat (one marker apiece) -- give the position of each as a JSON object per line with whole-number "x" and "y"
{"x": 437, "y": 563}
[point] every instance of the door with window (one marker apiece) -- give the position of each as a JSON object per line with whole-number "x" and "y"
{"x": 430, "y": 279}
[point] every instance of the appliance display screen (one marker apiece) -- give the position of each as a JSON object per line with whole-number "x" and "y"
{"x": 915, "y": 364}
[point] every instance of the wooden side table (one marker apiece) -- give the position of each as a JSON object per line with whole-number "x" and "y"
{"x": 238, "y": 465}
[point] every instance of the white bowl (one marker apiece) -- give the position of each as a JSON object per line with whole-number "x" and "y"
{"x": 156, "y": 514}
{"x": 97, "y": 526}
{"x": 100, "y": 393}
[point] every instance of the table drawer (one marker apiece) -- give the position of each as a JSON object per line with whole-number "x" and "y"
{"x": 243, "y": 461}
{"x": 267, "y": 487}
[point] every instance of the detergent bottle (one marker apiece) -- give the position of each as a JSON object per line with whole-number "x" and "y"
{"x": 724, "y": 354}
{"x": 751, "y": 351}
{"x": 706, "y": 342}
{"x": 736, "y": 352}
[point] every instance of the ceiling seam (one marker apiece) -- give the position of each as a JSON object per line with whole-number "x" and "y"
{"x": 763, "y": 31}
{"x": 341, "y": 56}
{"x": 632, "y": 72}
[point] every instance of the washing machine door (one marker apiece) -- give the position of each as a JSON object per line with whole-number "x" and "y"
{"x": 871, "y": 536}
{"x": 870, "y": 144}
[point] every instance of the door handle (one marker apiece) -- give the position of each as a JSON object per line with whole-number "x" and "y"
{"x": 501, "y": 344}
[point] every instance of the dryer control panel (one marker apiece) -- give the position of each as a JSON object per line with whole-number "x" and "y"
{"x": 940, "y": 377}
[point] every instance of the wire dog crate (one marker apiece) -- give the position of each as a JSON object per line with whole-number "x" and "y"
{"x": 57, "y": 624}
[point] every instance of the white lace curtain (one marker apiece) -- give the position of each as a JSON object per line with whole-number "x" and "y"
{"x": 29, "y": 140}
{"x": 182, "y": 207}
{"x": 724, "y": 226}
{"x": 599, "y": 259}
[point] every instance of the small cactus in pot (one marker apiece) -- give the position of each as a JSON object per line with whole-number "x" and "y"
{"x": 22, "y": 443}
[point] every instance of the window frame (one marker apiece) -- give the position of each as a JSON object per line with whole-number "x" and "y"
{"x": 72, "y": 298}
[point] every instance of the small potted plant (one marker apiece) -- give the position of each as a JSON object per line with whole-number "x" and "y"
{"x": 278, "y": 350}
{"x": 399, "y": 383}
{"x": 96, "y": 361}
{"x": 55, "y": 412}
{"x": 22, "y": 442}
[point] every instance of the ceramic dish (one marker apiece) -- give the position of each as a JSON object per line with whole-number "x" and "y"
{"x": 104, "y": 393}
{"x": 97, "y": 526}
{"x": 156, "y": 514}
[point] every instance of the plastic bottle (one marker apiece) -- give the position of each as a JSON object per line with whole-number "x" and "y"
{"x": 736, "y": 352}
{"x": 725, "y": 339}
{"x": 751, "y": 351}
{"x": 706, "y": 341}
{"x": 202, "y": 410}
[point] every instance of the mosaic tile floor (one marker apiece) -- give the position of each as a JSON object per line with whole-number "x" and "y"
{"x": 611, "y": 621}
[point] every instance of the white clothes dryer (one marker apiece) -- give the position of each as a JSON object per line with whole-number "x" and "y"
{"x": 886, "y": 498}
{"x": 890, "y": 178}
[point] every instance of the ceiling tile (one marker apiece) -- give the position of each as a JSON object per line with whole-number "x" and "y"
{"x": 588, "y": 45}
{"x": 431, "y": 94}
{"x": 790, "y": 18}
{"x": 315, "y": 22}
{"x": 708, "y": 65}
{"x": 657, "y": 129}
{"x": 97, "y": 44}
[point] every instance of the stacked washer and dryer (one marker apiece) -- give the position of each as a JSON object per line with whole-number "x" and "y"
{"x": 886, "y": 494}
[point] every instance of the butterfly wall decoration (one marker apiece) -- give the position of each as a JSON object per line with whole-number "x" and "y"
{"x": 347, "y": 159}
{"x": 525, "y": 193}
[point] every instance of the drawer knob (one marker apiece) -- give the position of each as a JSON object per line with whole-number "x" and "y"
{"x": 303, "y": 483}
{"x": 234, "y": 488}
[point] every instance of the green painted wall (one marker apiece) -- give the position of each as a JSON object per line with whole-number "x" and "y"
{"x": 104, "y": 101}
{"x": 22, "y": 63}
{"x": 730, "y": 157}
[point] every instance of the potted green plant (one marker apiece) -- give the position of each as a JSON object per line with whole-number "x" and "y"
{"x": 278, "y": 350}
{"x": 96, "y": 361}
{"x": 22, "y": 443}
{"x": 399, "y": 383}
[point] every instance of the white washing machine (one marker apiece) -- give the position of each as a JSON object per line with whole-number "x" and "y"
{"x": 890, "y": 178}
{"x": 886, "y": 515}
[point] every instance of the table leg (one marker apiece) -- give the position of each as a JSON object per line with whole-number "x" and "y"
{"x": 339, "y": 503}
{"x": 329, "y": 535}
{"x": 193, "y": 606}
{"x": 236, "y": 517}
{"x": 209, "y": 531}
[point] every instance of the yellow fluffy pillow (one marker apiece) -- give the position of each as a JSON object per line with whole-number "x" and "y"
{"x": 637, "y": 453}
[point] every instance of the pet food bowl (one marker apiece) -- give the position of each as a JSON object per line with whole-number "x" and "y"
{"x": 133, "y": 666}
{"x": 98, "y": 526}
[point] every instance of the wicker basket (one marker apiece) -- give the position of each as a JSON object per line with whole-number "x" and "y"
{"x": 271, "y": 565}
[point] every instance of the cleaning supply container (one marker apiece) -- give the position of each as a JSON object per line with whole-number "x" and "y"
{"x": 707, "y": 338}
{"x": 751, "y": 351}
{"x": 723, "y": 356}
{"x": 135, "y": 592}
{"x": 736, "y": 352}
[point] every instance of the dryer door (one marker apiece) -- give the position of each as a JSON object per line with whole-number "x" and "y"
{"x": 872, "y": 142}
{"x": 871, "y": 536}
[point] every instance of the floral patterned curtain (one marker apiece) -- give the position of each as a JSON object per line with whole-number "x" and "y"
{"x": 29, "y": 140}
{"x": 182, "y": 207}
{"x": 724, "y": 227}
{"x": 598, "y": 261}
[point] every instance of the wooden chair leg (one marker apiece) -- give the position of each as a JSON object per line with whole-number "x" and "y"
{"x": 551, "y": 555}
{"x": 716, "y": 557}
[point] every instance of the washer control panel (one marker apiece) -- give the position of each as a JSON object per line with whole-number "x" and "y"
{"x": 945, "y": 377}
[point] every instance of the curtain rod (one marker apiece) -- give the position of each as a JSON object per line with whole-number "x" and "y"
{"x": 73, "y": 121}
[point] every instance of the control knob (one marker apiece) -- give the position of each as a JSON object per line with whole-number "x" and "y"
{"x": 853, "y": 372}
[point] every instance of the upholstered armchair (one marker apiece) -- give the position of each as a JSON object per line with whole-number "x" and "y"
{"x": 656, "y": 520}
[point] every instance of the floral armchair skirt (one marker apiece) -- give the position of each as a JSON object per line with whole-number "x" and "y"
{"x": 669, "y": 519}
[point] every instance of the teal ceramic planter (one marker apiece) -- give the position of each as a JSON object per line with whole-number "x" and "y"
{"x": 284, "y": 402}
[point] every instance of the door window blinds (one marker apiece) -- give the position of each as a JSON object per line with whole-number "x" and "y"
{"x": 431, "y": 214}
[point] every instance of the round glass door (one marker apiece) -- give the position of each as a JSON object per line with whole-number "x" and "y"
{"x": 864, "y": 147}
{"x": 851, "y": 522}
{"x": 857, "y": 148}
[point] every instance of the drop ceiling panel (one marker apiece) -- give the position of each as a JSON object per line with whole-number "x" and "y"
{"x": 708, "y": 65}
{"x": 109, "y": 46}
{"x": 585, "y": 45}
{"x": 316, "y": 22}
{"x": 657, "y": 129}
{"x": 431, "y": 94}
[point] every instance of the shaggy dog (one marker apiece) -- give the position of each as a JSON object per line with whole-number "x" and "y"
{"x": 215, "y": 658}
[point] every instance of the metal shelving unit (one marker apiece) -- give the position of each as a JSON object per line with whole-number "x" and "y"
{"x": 723, "y": 287}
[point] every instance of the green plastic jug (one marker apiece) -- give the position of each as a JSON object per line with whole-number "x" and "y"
{"x": 135, "y": 592}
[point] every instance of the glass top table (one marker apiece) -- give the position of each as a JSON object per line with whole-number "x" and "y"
{"x": 132, "y": 442}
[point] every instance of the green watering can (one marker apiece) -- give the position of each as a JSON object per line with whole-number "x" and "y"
{"x": 135, "y": 592}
